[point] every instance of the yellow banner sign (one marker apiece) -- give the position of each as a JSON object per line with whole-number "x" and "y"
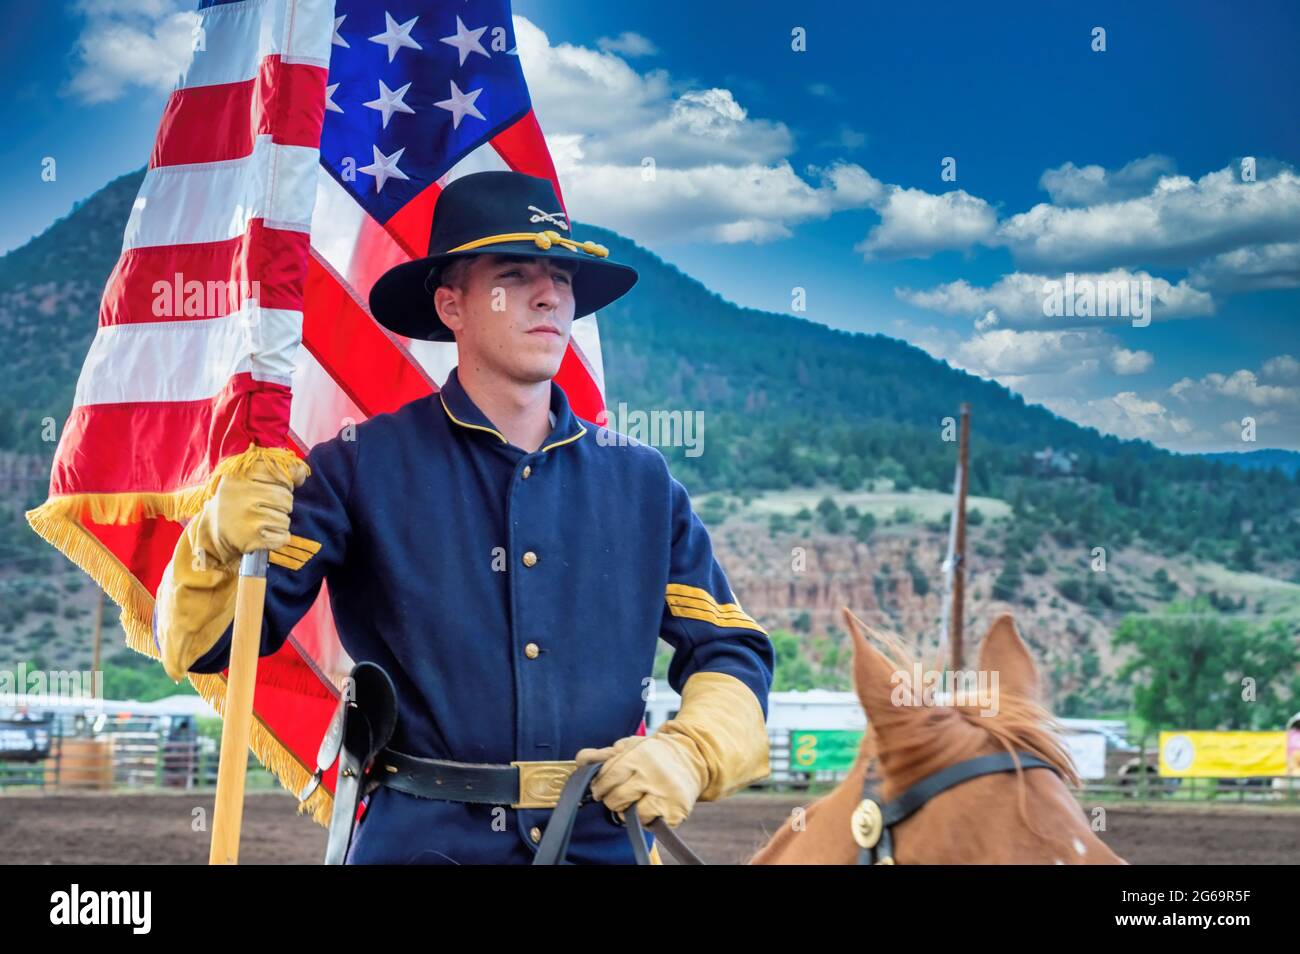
{"x": 1222, "y": 754}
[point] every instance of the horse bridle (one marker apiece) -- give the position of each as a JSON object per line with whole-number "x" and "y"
{"x": 870, "y": 823}
{"x": 874, "y": 817}
{"x": 555, "y": 843}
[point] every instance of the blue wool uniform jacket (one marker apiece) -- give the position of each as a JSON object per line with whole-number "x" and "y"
{"x": 515, "y": 598}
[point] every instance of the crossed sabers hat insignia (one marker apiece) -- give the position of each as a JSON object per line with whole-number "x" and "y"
{"x": 547, "y": 217}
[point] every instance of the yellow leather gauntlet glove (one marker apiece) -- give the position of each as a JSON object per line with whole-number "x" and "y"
{"x": 715, "y": 745}
{"x": 196, "y": 596}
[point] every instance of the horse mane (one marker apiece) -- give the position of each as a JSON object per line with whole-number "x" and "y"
{"x": 947, "y": 733}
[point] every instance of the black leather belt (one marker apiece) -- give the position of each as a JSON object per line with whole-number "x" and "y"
{"x": 518, "y": 784}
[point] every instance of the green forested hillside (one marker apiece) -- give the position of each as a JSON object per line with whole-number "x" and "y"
{"x": 786, "y": 402}
{"x": 789, "y": 402}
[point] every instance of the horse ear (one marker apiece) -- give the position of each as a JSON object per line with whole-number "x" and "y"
{"x": 1005, "y": 653}
{"x": 873, "y": 676}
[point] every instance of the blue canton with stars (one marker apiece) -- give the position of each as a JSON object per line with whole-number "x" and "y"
{"x": 413, "y": 87}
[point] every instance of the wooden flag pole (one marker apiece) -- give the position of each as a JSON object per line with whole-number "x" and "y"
{"x": 237, "y": 719}
{"x": 98, "y": 636}
{"x": 959, "y": 555}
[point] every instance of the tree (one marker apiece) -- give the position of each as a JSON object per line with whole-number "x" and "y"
{"x": 1243, "y": 558}
{"x": 850, "y": 473}
{"x": 793, "y": 671}
{"x": 1008, "y": 583}
{"x": 1189, "y": 667}
{"x": 866, "y": 526}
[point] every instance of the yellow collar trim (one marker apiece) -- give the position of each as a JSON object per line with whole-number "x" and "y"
{"x": 544, "y": 239}
{"x": 477, "y": 427}
{"x": 566, "y": 440}
{"x": 499, "y": 435}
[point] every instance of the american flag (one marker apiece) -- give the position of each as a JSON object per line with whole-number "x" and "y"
{"x": 300, "y": 156}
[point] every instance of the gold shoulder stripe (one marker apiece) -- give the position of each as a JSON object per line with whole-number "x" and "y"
{"x": 691, "y": 602}
{"x": 294, "y": 554}
{"x": 726, "y": 622}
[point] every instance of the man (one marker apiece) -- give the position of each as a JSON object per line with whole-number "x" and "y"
{"x": 509, "y": 566}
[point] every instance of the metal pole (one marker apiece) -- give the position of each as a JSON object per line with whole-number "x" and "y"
{"x": 959, "y": 567}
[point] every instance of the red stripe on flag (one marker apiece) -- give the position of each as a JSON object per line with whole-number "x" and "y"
{"x": 523, "y": 147}
{"x": 579, "y": 386}
{"x": 214, "y": 123}
{"x": 411, "y": 224}
{"x": 173, "y": 445}
{"x": 146, "y": 281}
{"x": 370, "y": 367}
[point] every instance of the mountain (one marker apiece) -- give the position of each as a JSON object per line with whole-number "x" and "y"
{"x": 1287, "y": 461}
{"x": 815, "y": 440}
{"x": 785, "y": 402}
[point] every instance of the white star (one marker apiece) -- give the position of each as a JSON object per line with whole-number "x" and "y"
{"x": 395, "y": 35}
{"x": 330, "y": 105}
{"x": 466, "y": 41}
{"x": 384, "y": 168}
{"x": 337, "y": 39}
{"x": 461, "y": 104}
{"x": 390, "y": 102}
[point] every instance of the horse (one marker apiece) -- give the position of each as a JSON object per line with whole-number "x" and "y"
{"x": 978, "y": 784}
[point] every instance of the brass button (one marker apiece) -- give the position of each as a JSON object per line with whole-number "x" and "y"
{"x": 535, "y": 834}
{"x": 528, "y": 470}
{"x": 530, "y": 558}
{"x": 532, "y": 651}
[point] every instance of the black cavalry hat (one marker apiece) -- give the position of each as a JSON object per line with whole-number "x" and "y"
{"x": 507, "y": 213}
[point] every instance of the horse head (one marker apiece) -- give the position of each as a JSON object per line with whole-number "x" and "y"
{"x": 958, "y": 754}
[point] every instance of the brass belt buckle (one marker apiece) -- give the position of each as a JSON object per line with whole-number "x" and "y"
{"x": 540, "y": 783}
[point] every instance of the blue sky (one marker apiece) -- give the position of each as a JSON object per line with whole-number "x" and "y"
{"x": 821, "y": 170}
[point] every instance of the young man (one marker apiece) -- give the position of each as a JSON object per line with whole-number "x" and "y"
{"x": 509, "y": 570}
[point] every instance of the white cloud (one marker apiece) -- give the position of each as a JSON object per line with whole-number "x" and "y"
{"x": 629, "y": 44}
{"x": 129, "y": 44}
{"x": 916, "y": 224}
{"x": 624, "y": 116}
{"x": 1180, "y": 222}
{"x": 1282, "y": 368}
{"x": 1072, "y": 185}
{"x": 1242, "y": 384}
{"x": 1126, "y": 362}
{"x": 1018, "y": 298}
{"x": 1003, "y": 351}
{"x": 845, "y": 137}
{"x": 1128, "y": 415}
{"x": 1038, "y": 364}
{"x": 1254, "y": 267}
{"x": 642, "y": 156}
{"x": 1060, "y": 370}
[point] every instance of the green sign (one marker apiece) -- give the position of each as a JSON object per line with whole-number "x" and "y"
{"x": 823, "y": 750}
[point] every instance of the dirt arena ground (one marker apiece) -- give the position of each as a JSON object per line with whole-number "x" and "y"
{"x": 157, "y": 828}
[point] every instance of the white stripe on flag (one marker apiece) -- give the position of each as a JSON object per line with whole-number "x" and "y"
{"x": 437, "y": 358}
{"x": 232, "y": 39}
{"x": 320, "y": 407}
{"x": 345, "y": 237}
{"x": 356, "y": 247}
{"x": 483, "y": 159}
{"x": 214, "y": 201}
{"x": 188, "y": 360}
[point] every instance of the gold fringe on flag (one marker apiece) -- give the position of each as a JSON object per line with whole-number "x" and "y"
{"x": 59, "y": 523}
